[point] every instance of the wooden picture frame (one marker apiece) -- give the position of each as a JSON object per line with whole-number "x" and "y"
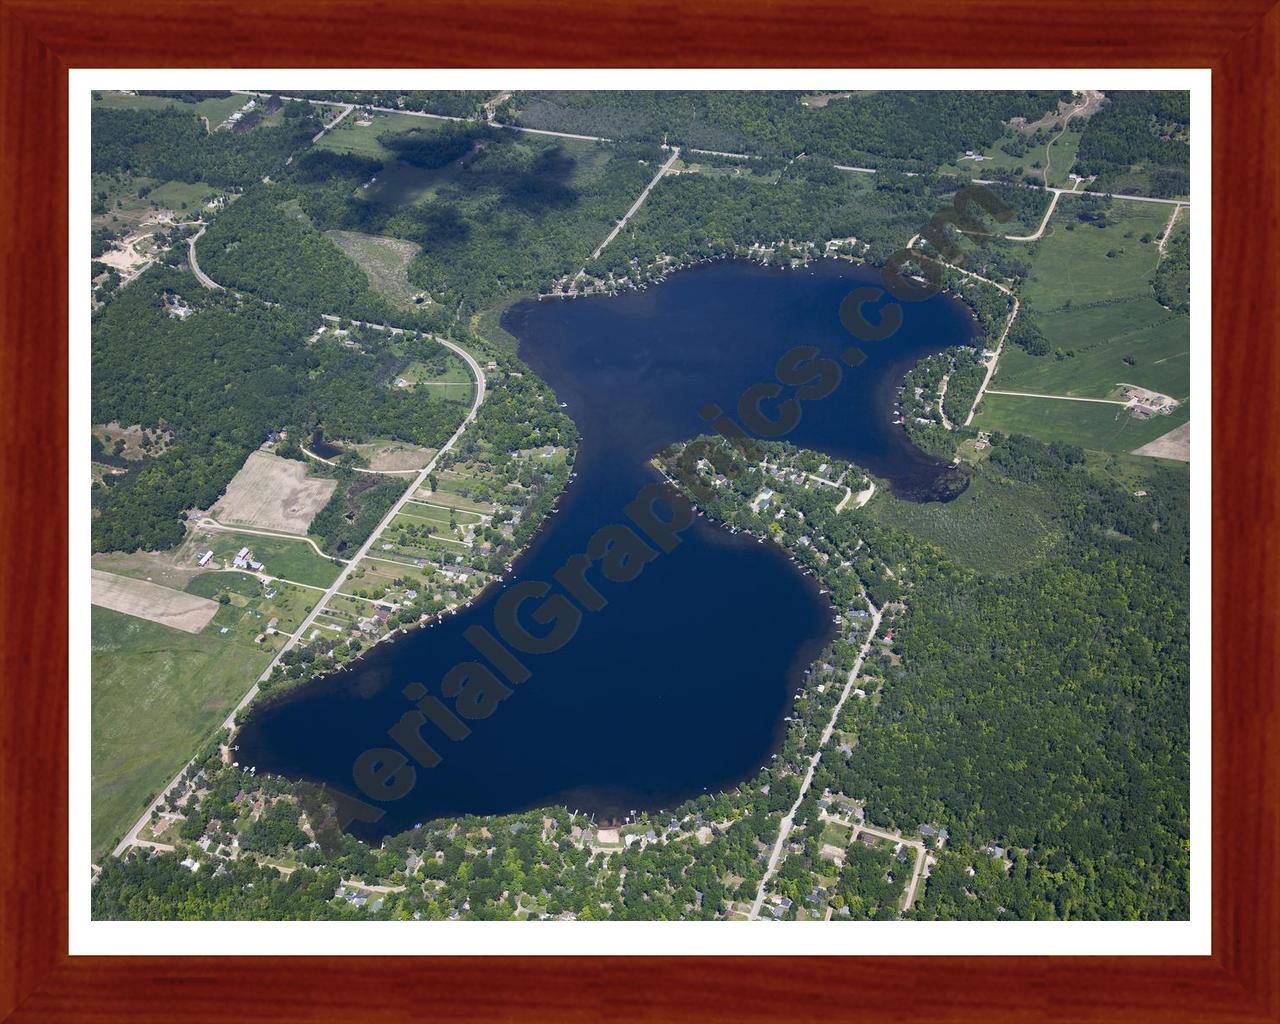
{"x": 40, "y": 40}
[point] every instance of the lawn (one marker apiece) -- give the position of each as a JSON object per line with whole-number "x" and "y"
{"x": 1088, "y": 424}
{"x": 292, "y": 559}
{"x": 455, "y": 373}
{"x": 157, "y": 695}
{"x": 997, "y": 525}
{"x": 362, "y": 140}
{"x": 181, "y": 195}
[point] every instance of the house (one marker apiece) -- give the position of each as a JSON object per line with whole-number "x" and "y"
{"x": 269, "y": 593}
{"x": 761, "y": 500}
{"x": 191, "y": 865}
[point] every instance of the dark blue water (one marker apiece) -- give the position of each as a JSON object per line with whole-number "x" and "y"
{"x": 680, "y": 684}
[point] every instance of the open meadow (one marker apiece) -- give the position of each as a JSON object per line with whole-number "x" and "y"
{"x": 996, "y": 525}
{"x": 157, "y": 694}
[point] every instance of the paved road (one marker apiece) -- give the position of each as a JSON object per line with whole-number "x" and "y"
{"x": 416, "y": 483}
{"x": 131, "y": 837}
{"x": 789, "y": 820}
{"x": 434, "y": 117}
{"x": 201, "y": 276}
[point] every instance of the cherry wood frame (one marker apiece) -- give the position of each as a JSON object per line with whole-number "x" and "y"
{"x": 40, "y": 40}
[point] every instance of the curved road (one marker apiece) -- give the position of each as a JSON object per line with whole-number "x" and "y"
{"x": 131, "y": 837}
{"x": 201, "y": 276}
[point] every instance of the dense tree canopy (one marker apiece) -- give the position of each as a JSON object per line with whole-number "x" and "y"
{"x": 172, "y": 144}
{"x": 915, "y": 129}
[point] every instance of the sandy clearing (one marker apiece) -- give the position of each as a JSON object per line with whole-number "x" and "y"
{"x": 1174, "y": 445}
{"x": 144, "y": 600}
{"x": 396, "y": 456}
{"x": 273, "y": 494}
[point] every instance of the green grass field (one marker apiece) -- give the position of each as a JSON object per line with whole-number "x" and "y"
{"x": 455, "y": 374}
{"x": 1073, "y": 266}
{"x": 250, "y": 610}
{"x": 216, "y": 110}
{"x": 292, "y": 559}
{"x": 996, "y": 525}
{"x": 1088, "y": 424}
{"x": 157, "y": 694}
{"x": 181, "y": 195}
{"x": 1089, "y": 291}
{"x": 362, "y": 140}
{"x": 1101, "y": 338}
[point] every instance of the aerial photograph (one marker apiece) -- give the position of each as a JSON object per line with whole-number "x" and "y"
{"x": 634, "y": 505}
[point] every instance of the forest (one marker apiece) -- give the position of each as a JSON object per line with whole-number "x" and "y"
{"x": 700, "y": 215}
{"x": 1172, "y": 281}
{"x": 263, "y": 244}
{"x": 908, "y": 130}
{"x": 1147, "y": 131}
{"x": 1047, "y": 711}
{"x": 220, "y": 379}
{"x": 172, "y": 144}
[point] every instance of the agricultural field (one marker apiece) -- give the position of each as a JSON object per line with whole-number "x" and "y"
{"x": 1087, "y": 424}
{"x": 152, "y": 602}
{"x": 1134, "y": 341}
{"x": 271, "y": 493}
{"x": 1089, "y": 293}
{"x": 1174, "y": 445}
{"x": 385, "y": 260}
{"x": 996, "y": 525}
{"x": 157, "y": 693}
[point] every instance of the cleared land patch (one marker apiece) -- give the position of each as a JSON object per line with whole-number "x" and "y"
{"x": 151, "y": 601}
{"x": 387, "y": 456}
{"x": 271, "y": 493}
{"x": 385, "y": 260}
{"x": 1174, "y": 445}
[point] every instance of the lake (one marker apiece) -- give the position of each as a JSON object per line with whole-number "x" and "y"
{"x": 681, "y": 683}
